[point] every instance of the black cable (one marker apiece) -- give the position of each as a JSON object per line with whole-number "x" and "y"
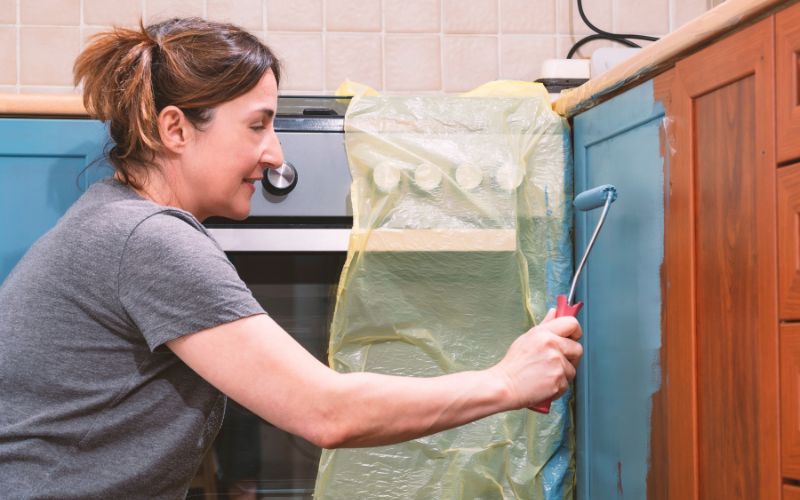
{"x": 583, "y": 41}
{"x": 621, "y": 38}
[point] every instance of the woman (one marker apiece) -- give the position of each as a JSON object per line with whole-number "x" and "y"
{"x": 122, "y": 327}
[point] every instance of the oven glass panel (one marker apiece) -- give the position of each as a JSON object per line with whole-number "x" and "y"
{"x": 298, "y": 290}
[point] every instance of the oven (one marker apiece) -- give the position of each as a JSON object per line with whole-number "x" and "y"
{"x": 290, "y": 252}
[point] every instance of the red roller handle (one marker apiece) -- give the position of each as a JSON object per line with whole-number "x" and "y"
{"x": 562, "y": 309}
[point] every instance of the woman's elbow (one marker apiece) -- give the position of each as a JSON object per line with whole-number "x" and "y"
{"x": 329, "y": 436}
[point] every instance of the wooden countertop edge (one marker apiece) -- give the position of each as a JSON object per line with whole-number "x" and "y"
{"x": 42, "y": 104}
{"x": 662, "y": 54}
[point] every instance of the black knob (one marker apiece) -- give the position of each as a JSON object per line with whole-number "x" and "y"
{"x": 280, "y": 181}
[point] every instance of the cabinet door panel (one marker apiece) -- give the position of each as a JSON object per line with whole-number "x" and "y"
{"x": 791, "y": 492}
{"x": 790, "y": 400}
{"x": 723, "y": 337}
{"x": 787, "y": 65}
{"x": 43, "y": 170}
{"x": 789, "y": 241}
{"x": 620, "y": 142}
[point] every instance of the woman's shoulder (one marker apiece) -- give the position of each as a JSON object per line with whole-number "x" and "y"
{"x": 112, "y": 209}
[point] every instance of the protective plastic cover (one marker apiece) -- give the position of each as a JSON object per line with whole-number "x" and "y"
{"x": 461, "y": 241}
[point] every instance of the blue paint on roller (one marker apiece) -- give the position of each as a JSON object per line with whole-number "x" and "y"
{"x": 595, "y": 197}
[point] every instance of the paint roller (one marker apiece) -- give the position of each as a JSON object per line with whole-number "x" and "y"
{"x": 601, "y": 196}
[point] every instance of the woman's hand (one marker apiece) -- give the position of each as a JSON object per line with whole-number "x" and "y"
{"x": 540, "y": 364}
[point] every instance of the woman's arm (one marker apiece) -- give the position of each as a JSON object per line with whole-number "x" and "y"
{"x": 255, "y": 362}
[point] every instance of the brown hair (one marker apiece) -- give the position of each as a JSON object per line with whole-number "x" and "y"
{"x": 130, "y": 75}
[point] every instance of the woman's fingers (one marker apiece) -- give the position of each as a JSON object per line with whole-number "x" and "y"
{"x": 565, "y": 326}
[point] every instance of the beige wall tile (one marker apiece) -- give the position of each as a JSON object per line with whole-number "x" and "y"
{"x": 49, "y": 89}
{"x": 568, "y": 20}
{"x": 474, "y": 16}
{"x": 355, "y": 57}
{"x": 521, "y": 56}
{"x": 468, "y": 61}
{"x": 47, "y": 54}
{"x": 294, "y": 15}
{"x": 413, "y": 62}
{"x": 88, "y": 32}
{"x": 8, "y": 55}
{"x": 353, "y": 15}
{"x": 684, "y": 11}
{"x": 525, "y": 16}
{"x": 51, "y": 12}
{"x": 8, "y": 11}
{"x": 159, "y": 10}
{"x": 245, "y": 13}
{"x": 644, "y": 17}
{"x": 8, "y": 89}
{"x": 116, "y": 13}
{"x": 412, "y": 16}
{"x": 301, "y": 58}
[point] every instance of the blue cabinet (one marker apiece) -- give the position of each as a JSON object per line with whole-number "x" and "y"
{"x": 45, "y": 165}
{"x": 619, "y": 142}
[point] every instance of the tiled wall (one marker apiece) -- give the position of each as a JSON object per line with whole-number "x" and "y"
{"x": 397, "y": 46}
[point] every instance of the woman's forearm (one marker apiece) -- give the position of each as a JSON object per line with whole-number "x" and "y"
{"x": 368, "y": 409}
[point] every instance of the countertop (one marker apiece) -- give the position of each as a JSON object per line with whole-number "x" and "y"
{"x": 657, "y": 57}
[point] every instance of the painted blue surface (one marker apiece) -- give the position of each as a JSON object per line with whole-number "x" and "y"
{"x": 42, "y": 172}
{"x": 618, "y": 143}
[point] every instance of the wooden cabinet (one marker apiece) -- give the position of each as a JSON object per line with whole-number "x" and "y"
{"x": 715, "y": 418}
{"x": 787, "y": 61}
{"x": 721, "y": 315}
{"x": 790, "y": 405}
{"x": 43, "y": 170}
{"x": 789, "y": 241}
{"x": 791, "y": 492}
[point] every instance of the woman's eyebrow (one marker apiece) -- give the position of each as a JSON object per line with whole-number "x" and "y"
{"x": 268, "y": 112}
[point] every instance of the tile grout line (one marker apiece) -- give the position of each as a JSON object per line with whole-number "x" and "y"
{"x": 441, "y": 45}
{"x": 383, "y": 46}
{"x": 324, "y": 57}
{"x": 263, "y": 4}
{"x": 19, "y": 46}
{"x": 671, "y": 14}
{"x": 498, "y": 69}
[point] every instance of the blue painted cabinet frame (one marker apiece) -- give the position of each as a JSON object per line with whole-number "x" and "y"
{"x": 619, "y": 142}
{"x": 43, "y": 170}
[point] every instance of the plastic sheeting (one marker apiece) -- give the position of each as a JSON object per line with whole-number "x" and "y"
{"x": 461, "y": 240}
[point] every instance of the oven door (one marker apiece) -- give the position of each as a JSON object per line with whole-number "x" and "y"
{"x": 294, "y": 274}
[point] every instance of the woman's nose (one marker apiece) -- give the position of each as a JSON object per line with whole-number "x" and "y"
{"x": 273, "y": 154}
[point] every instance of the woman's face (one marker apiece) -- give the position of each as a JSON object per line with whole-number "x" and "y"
{"x": 226, "y": 159}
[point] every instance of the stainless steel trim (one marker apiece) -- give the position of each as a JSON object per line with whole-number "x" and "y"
{"x": 281, "y": 240}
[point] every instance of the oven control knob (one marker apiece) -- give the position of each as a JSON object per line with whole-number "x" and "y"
{"x": 280, "y": 181}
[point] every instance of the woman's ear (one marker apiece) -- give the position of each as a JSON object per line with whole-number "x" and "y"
{"x": 174, "y": 129}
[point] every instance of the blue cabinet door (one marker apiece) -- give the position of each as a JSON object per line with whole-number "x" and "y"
{"x": 618, "y": 142}
{"x": 43, "y": 170}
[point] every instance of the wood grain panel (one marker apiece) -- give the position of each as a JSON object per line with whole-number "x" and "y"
{"x": 679, "y": 300}
{"x": 727, "y": 319}
{"x": 789, "y": 241}
{"x": 790, "y": 400}
{"x": 787, "y": 66}
{"x": 723, "y": 357}
{"x": 791, "y": 492}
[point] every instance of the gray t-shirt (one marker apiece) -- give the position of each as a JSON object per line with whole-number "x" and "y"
{"x": 92, "y": 403}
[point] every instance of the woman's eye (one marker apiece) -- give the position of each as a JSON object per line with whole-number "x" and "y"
{"x": 257, "y": 127}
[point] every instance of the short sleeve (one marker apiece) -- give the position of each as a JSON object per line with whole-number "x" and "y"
{"x": 174, "y": 280}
